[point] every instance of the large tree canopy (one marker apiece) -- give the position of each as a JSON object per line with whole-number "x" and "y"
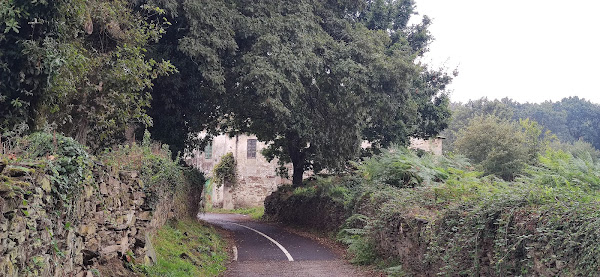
{"x": 313, "y": 78}
{"x": 77, "y": 66}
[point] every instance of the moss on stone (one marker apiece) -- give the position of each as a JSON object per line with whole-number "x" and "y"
{"x": 18, "y": 171}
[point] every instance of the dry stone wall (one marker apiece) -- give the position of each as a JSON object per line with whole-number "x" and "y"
{"x": 110, "y": 220}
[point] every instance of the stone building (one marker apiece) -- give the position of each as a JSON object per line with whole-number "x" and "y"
{"x": 433, "y": 145}
{"x": 256, "y": 177}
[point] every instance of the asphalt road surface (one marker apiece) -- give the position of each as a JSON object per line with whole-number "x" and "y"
{"x": 266, "y": 250}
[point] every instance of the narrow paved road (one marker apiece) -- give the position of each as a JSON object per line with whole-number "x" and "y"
{"x": 267, "y": 250}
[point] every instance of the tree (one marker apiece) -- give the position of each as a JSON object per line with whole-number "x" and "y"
{"x": 78, "y": 66}
{"x": 496, "y": 144}
{"x": 463, "y": 113}
{"x": 313, "y": 78}
{"x": 316, "y": 97}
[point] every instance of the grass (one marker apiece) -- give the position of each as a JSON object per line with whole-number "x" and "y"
{"x": 188, "y": 248}
{"x": 255, "y": 213}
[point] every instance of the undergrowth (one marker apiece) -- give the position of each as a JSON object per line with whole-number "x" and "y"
{"x": 414, "y": 214}
{"x": 188, "y": 248}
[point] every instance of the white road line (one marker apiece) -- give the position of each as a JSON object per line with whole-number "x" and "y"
{"x": 287, "y": 254}
{"x": 235, "y": 253}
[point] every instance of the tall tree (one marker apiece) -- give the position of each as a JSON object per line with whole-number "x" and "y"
{"x": 313, "y": 78}
{"x": 79, "y": 66}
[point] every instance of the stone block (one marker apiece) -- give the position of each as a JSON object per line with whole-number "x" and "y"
{"x": 144, "y": 216}
{"x": 110, "y": 249}
{"x": 103, "y": 188}
{"x": 88, "y": 229}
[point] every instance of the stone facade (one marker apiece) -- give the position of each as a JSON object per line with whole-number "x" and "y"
{"x": 433, "y": 145}
{"x": 256, "y": 177}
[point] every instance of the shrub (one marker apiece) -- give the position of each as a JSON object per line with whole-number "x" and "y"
{"x": 69, "y": 163}
{"x": 497, "y": 146}
{"x": 225, "y": 171}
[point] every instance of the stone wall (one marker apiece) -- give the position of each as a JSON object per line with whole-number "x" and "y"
{"x": 109, "y": 223}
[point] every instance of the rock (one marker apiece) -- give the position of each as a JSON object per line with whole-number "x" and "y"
{"x": 45, "y": 184}
{"x": 144, "y": 216}
{"x": 10, "y": 244}
{"x": 4, "y": 188}
{"x": 89, "y": 191}
{"x": 87, "y": 230}
{"x": 89, "y": 256}
{"x": 150, "y": 258}
{"x": 103, "y": 188}
{"x": 110, "y": 249}
{"x": 130, "y": 218}
{"x": 124, "y": 244}
{"x": 17, "y": 171}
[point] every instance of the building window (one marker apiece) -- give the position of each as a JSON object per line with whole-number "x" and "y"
{"x": 251, "y": 149}
{"x": 208, "y": 151}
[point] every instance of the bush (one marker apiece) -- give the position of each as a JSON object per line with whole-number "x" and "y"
{"x": 225, "y": 171}
{"x": 497, "y": 146}
{"x": 402, "y": 168}
{"x": 458, "y": 222}
{"x": 159, "y": 172}
{"x": 69, "y": 163}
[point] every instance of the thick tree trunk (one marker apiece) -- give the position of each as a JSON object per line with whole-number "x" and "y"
{"x": 297, "y": 175}
{"x": 294, "y": 148}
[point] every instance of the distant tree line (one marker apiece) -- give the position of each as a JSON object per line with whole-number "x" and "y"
{"x": 503, "y": 136}
{"x": 570, "y": 119}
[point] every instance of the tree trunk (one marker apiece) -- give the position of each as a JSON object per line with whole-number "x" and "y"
{"x": 294, "y": 149}
{"x": 297, "y": 175}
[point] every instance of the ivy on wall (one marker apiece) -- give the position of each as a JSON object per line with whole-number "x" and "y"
{"x": 225, "y": 171}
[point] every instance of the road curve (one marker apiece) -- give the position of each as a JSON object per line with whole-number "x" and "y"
{"x": 267, "y": 250}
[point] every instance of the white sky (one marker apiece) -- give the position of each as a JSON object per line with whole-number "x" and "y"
{"x": 527, "y": 50}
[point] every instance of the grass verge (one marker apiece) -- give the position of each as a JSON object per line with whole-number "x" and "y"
{"x": 188, "y": 248}
{"x": 255, "y": 213}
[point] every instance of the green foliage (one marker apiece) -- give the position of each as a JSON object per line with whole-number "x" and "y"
{"x": 467, "y": 224}
{"x": 305, "y": 191}
{"x": 188, "y": 248}
{"x": 255, "y": 213}
{"x": 558, "y": 168}
{"x": 579, "y": 149}
{"x": 158, "y": 171}
{"x": 536, "y": 140}
{"x": 69, "y": 164}
{"x": 79, "y": 66}
{"x": 225, "y": 172}
{"x": 312, "y": 78}
{"x": 355, "y": 235}
{"x": 402, "y": 168}
{"x": 498, "y": 146}
{"x": 570, "y": 119}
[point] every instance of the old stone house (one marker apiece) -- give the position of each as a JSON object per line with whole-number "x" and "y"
{"x": 256, "y": 177}
{"x": 433, "y": 145}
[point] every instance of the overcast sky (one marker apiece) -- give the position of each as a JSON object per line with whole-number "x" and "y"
{"x": 527, "y": 50}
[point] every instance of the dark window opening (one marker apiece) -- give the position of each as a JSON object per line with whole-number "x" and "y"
{"x": 251, "y": 149}
{"x": 208, "y": 151}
